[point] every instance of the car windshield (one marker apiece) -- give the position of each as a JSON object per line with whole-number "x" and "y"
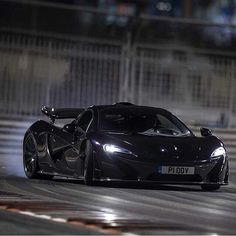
{"x": 149, "y": 122}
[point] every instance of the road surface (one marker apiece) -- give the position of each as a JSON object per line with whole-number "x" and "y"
{"x": 63, "y": 206}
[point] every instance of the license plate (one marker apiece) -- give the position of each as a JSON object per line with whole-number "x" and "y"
{"x": 176, "y": 170}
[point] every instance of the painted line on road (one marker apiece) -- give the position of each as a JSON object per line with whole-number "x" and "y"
{"x": 81, "y": 223}
{"x": 46, "y": 217}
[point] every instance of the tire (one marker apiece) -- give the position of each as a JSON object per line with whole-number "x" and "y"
{"x": 88, "y": 165}
{"x": 30, "y": 159}
{"x": 210, "y": 187}
{"x": 226, "y": 180}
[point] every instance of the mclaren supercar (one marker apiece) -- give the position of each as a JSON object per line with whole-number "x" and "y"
{"x": 123, "y": 142}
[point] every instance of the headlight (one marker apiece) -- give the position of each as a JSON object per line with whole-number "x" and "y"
{"x": 218, "y": 152}
{"x": 114, "y": 149}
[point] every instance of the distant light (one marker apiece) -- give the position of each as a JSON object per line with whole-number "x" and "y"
{"x": 163, "y": 6}
{"x": 109, "y": 217}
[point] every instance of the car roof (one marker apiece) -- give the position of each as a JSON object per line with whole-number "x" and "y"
{"x": 129, "y": 106}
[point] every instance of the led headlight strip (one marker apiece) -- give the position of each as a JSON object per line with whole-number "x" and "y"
{"x": 115, "y": 149}
{"x": 218, "y": 152}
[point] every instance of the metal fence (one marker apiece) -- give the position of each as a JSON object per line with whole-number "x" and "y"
{"x": 198, "y": 85}
{"x": 37, "y": 70}
{"x": 40, "y": 70}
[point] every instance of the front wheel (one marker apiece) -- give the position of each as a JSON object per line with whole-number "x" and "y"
{"x": 210, "y": 187}
{"x": 88, "y": 165}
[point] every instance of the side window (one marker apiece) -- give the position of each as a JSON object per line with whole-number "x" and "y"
{"x": 165, "y": 122}
{"x": 85, "y": 120}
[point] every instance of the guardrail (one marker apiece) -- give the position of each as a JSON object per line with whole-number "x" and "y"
{"x": 11, "y": 135}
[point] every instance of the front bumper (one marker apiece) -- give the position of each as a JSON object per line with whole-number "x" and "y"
{"x": 125, "y": 169}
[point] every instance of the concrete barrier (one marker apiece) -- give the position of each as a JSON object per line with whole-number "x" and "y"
{"x": 11, "y": 135}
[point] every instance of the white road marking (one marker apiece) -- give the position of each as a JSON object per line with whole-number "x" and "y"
{"x": 129, "y": 234}
{"x": 59, "y": 220}
{"x": 46, "y": 217}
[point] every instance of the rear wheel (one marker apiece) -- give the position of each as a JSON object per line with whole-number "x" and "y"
{"x": 30, "y": 158}
{"x": 210, "y": 187}
{"x": 88, "y": 165}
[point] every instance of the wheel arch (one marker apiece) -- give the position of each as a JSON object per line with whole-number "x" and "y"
{"x": 94, "y": 148}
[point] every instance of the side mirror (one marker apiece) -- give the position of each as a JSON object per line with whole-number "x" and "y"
{"x": 205, "y": 132}
{"x": 70, "y": 128}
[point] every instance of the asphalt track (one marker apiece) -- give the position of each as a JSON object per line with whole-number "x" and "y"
{"x": 63, "y": 206}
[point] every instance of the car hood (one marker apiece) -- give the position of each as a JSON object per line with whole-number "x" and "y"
{"x": 164, "y": 148}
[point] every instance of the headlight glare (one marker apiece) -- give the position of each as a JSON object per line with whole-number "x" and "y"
{"x": 114, "y": 149}
{"x": 218, "y": 152}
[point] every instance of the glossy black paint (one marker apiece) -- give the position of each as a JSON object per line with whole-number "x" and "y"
{"x": 61, "y": 151}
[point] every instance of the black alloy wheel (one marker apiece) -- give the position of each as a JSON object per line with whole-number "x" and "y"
{"x": 30, "y": 159}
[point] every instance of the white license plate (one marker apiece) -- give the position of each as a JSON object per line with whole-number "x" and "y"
{"x": 176, "y": 170}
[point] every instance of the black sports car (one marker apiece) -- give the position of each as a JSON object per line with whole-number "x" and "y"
{"x": 123, "y": 142}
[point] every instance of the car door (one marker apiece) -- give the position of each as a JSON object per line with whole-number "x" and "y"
{"x": 73, "y": 157}
{"x": 59, "y": 142}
